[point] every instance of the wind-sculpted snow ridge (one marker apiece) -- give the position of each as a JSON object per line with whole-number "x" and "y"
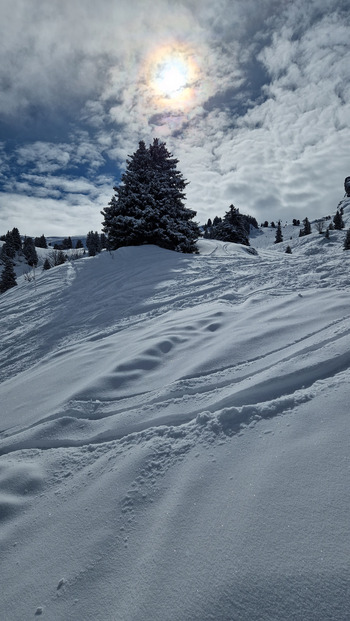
{"x": 173, "y": 435}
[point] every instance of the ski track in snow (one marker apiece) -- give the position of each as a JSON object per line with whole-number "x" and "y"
{"x": 142, "y": 364}
{"x": 129, "y": 388}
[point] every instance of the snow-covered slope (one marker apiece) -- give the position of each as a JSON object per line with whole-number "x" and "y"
{"x": 174, "y": 435}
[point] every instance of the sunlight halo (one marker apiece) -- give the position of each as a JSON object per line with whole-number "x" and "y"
{"x": 171, "y": 75}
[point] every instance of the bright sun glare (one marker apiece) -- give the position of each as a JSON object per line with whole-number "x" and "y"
{"x": 172, "y": 78}
{"x": 171, "y": 73}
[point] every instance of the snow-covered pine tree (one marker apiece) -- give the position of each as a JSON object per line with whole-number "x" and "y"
{"x": 279, "y": 236}
{"x": 8, "y": 276}
{"x": 16, "y": 239}
{"x": 148, "y": 205}
{"x": 30, "y": 252}
{"x": 40, "y": 242}
{"x": 7, "y": 251}
{"x": 338, "y": 221}
{"x": 93, "y": 243}
{"x": 13, "y": 242}
{"x": 59, "y": 257}
{"x": 347, "y": 241}
{"x": 9, "y": 245}
{"x": 307, "y": 228}
{"x": 234, "y": 227}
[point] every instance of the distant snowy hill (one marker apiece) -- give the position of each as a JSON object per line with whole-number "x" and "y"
{"x": 174, "y": 434}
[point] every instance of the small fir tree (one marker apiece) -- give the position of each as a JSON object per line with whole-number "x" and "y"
{"x": 30, "y": 252}
{"x": 16, "y": 239}
{"x": 307, "y": 227}
{"x": 347, "y": 241}
{"x": 47, "y": 264}
{"x": 279, "y": 236}
{"x": 7, "y": 252}
{"x": 93, "y": 243}
{"x": 338, "y": 221}
{"x": 8, "y": 276}
{"x": 10, "y": 245}
{"x": 288, "y": 250}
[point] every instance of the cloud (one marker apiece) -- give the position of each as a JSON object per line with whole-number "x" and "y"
{"x": 44, "y": 156}
{"x": 296, "y": 135}
{"x": 74, "y": 214}
{"x": 263, "y": 123}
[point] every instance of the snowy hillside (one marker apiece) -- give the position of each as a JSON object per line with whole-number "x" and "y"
{"x": 174, "y": 435}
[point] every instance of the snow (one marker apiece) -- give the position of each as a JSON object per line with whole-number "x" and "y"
{"x": 174, "y": 434}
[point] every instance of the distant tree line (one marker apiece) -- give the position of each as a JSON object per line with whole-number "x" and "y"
{"x": 67, "y": 244}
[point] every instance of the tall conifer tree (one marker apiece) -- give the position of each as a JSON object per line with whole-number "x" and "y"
{"x": 148, "y": 205}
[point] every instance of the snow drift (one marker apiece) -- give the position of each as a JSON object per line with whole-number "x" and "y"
{"x": 174, "y": 435}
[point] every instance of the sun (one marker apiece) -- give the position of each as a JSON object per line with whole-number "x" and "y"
{"x": 171, "y": 77}
{"x": 171, "y": 74}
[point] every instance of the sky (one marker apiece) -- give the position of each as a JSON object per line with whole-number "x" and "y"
{"x": 251, "y": 96}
